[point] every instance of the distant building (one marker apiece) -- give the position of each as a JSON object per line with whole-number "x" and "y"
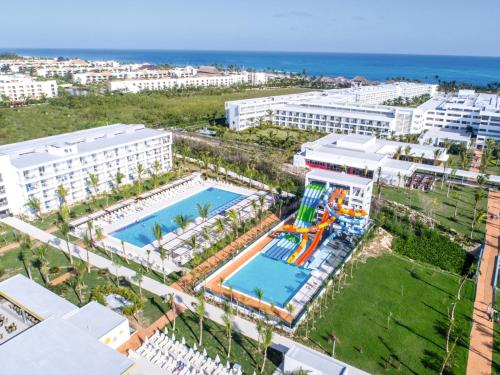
{"x": 362, "y": 155}
{"x": 439, "y": 137}
{"x": 351, "y": 110}
{"x": 198, "y": 80}
{"x": 18, "y": 87}
{"x": 35, "y": 168}
{"x": 464, "y": 111}
{"x": 45, "y": 334}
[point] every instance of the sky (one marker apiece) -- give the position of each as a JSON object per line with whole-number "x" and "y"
{"x": 450, "y": 27}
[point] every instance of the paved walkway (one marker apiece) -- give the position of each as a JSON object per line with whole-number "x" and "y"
{"x": 481, "y": 339}
{"x": 476, "y": 161}
{"x": 183, "y": 300}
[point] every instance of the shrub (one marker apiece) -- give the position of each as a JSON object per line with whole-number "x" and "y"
{"x": 416, "y": 241}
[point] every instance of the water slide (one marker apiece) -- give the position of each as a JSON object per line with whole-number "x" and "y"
{"x": 326, "y": 221}
{"x": 287, "y": 242}
{"x": 338, "y": 195}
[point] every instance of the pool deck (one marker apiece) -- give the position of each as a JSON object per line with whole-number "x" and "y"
{"x": 298, "y": 301}
{"x": 171, "y": 241}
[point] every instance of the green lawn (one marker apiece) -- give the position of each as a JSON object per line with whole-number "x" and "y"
{"x": 271, "y": 136}
{"x": 416, "y": 297}
{"x": 443, "y": 208}
{"x": 496, "y": 343}
{"x": 7, "y": 235}
{"x": 244, "y": 350}
{"x": 151, "y": 108}
{"x": 13, "y": 265}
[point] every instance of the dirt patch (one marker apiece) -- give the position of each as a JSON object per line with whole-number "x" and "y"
{"x": 380, "y": 244}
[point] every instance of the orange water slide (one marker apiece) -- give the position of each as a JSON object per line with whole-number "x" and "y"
{"x": 325, "y": 221}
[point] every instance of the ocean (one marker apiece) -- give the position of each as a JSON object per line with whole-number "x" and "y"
{"x": 427, "y": 68}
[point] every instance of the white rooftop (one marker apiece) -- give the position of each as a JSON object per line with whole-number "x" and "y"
{"x": 339, "y": 178}
{"x": 57, "y": 347}
{"x": 319, "y": 363}
{"x": 96, "y": 319}
{"x": 38, "y": 151}
{"x": 35, "y": 298}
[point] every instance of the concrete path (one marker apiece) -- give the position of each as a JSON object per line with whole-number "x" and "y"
{"x": 182, "y": 299}
{"x": 481, "y": 339}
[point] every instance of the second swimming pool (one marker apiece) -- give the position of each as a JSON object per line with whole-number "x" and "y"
{"x": 279, "y": 280}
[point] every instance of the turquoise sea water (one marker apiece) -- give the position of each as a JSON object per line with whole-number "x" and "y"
{"x": 141, "y": 234}
{"x": 469, "y": 69}
{"x": 279, "y": 280}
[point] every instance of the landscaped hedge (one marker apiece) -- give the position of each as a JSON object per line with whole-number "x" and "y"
{"x": 99, "y": 293}
{"x": 416, "y": 241}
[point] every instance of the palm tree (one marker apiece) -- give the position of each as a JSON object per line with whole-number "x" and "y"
{"x": 65, "y": 230}
{"x": 482, "y": 180}
{"x": 42, "y": 263}
{"x": 437, "y": 153}
{"x": 407, "y": 152}
{"x": 140, "y": 172}
{"x": 398, "y": 152}
{"x": 289, "y": 309}
{"x": 334, "y": 339}
{"x": 158, "y": 233}
{"x": 90, "y": 228}
{"x": 78, "y": 282}
{"x": 155, "y": 173}
{"x": 379, "y": 182}
{"x": 199, "y": 310}
{"x": 89, "y": 244}
{"x": 260, "y": 294}
{"x": 479, "y": 217}
{"x": 99, "y": 236}
{"x": 456, "y": 198}
{"x": 117, "y": 263}
{"x": 163, "y": 257}
{"x": 93, "y": 181}
{"x": 219, "y": 225}
{"x": 203, "y": 210}
{"x": 266, "y": 342}
{"x": 138, "y": 278}
{"x": 119, "y": 176}
{"x": 228, "y": 320}
{"x": 183, "y": 221}
{"x": 25, "y": 253}
{"x": 34, "y": 205}
{"x": 478, "y": 195}
{"x": 234, "y": 218}
{"x": 169, "y": 299}
{"x": 61, "y": 193}
{"x": 259, "y": 325}
{"x": 192, "y": 242}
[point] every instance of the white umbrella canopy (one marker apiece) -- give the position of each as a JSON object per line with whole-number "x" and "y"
{"x": 183, "y": 341}
{"x": 204, "y": 352}
{"x": 217, "y": 359}
{"x": 195, "y": 347}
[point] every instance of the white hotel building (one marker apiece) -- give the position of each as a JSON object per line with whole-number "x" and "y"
{"x": 199, "y": 80}
{"x": 35, "y": 168}
{"x": 462, "y": 111}
{"x": 18, "y": 87}
{"x": 352, "y": 110}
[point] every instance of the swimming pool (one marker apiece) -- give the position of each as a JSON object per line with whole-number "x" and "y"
{"x": 141, "y": 234}
{"x": 279, "y": 280}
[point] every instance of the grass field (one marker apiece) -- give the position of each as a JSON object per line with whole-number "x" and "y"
{"x": 395, "y": 308}
{"x": 244, "y": 350}
{"x": 156, "y": 108}
{"x": 441, "y": 207}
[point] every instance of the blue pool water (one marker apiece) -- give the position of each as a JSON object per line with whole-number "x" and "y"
{"x": 279, "y": 280}
{"x": 141, "y": 234}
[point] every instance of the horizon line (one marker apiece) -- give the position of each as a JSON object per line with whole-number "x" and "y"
{"x": 6, "y": 49}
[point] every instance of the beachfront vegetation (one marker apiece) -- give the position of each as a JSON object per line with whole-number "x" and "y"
{"x": 70, "y": 113}
{"x": 392, "y": 316}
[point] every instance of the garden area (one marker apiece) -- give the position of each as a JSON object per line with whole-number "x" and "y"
{"x": 452, "y": 210}
{"x": 392, "y": 316}
{"x": 244, "y": 350}
{"x": 70, "y": 113}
